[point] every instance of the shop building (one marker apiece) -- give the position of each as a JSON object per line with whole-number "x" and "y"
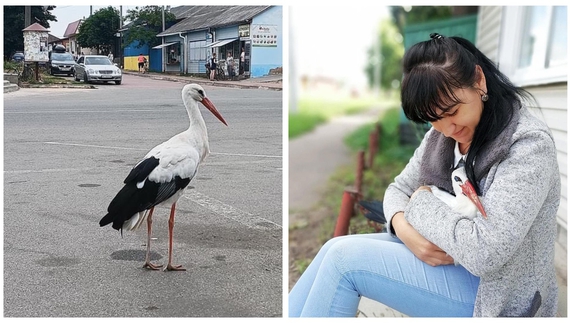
{"x": 204, "y": 30}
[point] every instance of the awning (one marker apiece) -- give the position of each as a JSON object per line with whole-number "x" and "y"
{"x": 164, "y": 45}
{"x": 222, "y": 42}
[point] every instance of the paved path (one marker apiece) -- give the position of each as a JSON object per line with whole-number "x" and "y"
{"x": 314, "y": 157}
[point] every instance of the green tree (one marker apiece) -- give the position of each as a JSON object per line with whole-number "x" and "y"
{"x": 146, "y": 23}
{"x": 14, "y": 24}
{"x": 391, "y": 49}
{"x": 414, "y": 15}
{"x": 390, "y": 42}
{"x": 98, "y": 31}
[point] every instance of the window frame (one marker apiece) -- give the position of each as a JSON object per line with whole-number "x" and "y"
{"x": 512, "y": 35}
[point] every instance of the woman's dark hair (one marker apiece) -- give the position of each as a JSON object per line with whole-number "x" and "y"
{"x": 433, "y": 69}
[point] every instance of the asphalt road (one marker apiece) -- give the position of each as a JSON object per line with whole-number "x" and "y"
{"x": 66, "y": 153}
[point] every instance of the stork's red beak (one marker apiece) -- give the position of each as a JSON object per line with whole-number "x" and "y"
{"x": 208, "y": 104}
{"x": 469, "y": 191}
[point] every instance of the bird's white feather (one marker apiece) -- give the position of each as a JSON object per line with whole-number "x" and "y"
{"x": 459, "y": 203}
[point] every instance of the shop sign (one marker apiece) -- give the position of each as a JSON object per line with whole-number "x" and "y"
{"x": 243, "y": 30}
{"x": 264, "y": 35}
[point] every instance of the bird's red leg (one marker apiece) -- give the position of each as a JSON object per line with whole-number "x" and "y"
{"x": 170, "y": 233}
{"x": 147, "y": 263}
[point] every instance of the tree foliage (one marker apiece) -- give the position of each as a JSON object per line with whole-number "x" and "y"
{"x": 14, "y": 24}
{"x": 146, "y": 23}
{"x": 98, "y": 31}
{"x": 414, "y": 15}
{"x": 390, "y": 45}
{"x": 391, "y": 49}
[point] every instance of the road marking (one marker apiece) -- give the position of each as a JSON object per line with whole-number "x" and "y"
{"x": 139, "y": 149}
{"x": 230, "y": 212}
{"x": 49, "y": 170}
{"x": 246, "y": 155}
{"x": 91, "y": 146}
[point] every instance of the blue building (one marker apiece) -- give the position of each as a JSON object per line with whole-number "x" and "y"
{"x": 204, "y": 30}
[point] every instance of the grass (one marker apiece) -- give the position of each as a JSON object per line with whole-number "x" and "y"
{"x": 44, "y": 77}
{"x": 314, "y": 111}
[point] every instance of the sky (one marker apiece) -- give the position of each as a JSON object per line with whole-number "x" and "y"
{"x": 333, "y": 42}
{"x": 67, "y": 14}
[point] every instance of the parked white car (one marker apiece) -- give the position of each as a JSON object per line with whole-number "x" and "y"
{"x": 97, "y": 68}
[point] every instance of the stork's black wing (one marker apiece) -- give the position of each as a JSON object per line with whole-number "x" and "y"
{"x": 375, "y": 211}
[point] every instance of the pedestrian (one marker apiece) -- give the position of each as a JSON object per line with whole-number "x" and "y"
{"x": 506, "y": 261}
{"x": 213, "y": 65}
{"x": 141, "y": 61}
{"x": 110, "y": 56}
{"x": 230, "y": 64}
{"x": 242, "y": 61}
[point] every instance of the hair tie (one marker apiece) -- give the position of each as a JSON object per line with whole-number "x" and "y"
{"x": 435, "y": 36}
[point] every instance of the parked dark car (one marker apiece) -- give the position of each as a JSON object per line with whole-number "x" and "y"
{"x": 61, "y": 63}
{"x": 18, "y": 57}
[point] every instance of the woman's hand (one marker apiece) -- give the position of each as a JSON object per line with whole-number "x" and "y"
{"x": 421, "y": 188}
{"x": 423, "y": 249}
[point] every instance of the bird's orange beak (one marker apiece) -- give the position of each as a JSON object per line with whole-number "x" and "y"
{"x": 469, "y": 191}
{"x": 208, "y": 104}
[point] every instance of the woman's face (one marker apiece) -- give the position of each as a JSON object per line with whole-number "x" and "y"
{"x": 461, "y": 121}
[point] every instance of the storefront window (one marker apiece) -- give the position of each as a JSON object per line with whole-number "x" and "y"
{"x": 173, "y": 54}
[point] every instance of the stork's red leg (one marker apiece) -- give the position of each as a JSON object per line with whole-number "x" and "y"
{"x": 170, "y": 233}
{"x": 147, "y": 263}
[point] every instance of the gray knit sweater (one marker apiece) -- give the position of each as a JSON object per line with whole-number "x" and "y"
{"x": 512, "y": 251}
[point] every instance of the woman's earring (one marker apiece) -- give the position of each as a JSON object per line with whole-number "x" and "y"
{"x": 484, "y": 97}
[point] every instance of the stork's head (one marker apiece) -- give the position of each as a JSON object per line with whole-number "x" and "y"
{"x": 196, "y": 92}
{"x": 462, "y": 186}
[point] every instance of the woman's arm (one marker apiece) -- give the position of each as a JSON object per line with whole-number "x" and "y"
{"x": 512, "y": 201}
{"x": 396, "y": 199}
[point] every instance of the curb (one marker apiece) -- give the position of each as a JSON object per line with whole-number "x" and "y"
{"x": 267, "y": 85}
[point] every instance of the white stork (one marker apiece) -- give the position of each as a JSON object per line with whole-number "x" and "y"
{"x": 162, "y": 175}
{"x": 465, "y": 200}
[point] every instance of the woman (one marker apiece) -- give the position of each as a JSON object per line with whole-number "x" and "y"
{"x": 141, "y": 60}
{"x": 213, "y": 66}
{"x": 506, "y": 261}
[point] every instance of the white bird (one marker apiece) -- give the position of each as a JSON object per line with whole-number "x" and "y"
{"x": 162, "y": 175}
{"x": 465, "y": 200}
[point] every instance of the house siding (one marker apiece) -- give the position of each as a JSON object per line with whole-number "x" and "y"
{"x": 551, "y": 98}
{"x": 263, "y": 59}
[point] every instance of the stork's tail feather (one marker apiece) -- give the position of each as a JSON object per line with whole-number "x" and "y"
{"x": 135, "y": 221}
{"x": 108, "y": 218}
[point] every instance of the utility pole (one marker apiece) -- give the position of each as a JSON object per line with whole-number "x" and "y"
{"x": 27, "y": 16}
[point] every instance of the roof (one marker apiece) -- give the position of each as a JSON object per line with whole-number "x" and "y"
{"x": 35, "y": 27}
{"x": 72, "y": 28}
{"x": 53, "y": 39}
{"x": 202, "y": 17}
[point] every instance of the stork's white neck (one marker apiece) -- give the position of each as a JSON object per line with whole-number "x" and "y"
{"x": 197, "y": 131}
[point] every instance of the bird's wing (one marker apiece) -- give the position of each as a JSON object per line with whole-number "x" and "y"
{"x": 443, "y": 195}
{"x": 174, "y": 159}
{"x": 375, "y": 210}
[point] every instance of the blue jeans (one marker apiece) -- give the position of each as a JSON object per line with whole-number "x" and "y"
{"x": 380, "y": 267}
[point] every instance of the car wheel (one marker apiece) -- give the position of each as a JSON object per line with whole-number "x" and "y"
{"x": 118, "y": 82}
